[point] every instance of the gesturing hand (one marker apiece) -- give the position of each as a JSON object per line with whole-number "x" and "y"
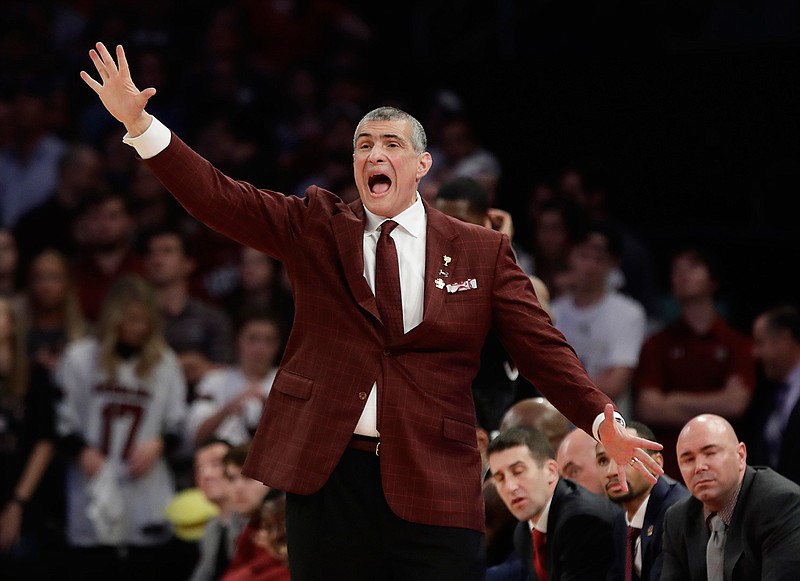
{"x": 116, "y": 90}
{"x": 625, "y": 448}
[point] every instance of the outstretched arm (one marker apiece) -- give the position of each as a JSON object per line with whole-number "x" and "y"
{"x": 116, "y": 90}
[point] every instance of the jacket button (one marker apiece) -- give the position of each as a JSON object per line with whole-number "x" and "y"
{"x": 362, "y": 395}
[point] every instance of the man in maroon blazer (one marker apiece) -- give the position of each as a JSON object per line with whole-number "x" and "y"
{"x": 370, "y": 425}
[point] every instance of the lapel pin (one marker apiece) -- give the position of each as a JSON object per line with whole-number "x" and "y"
{"x": 443, "y": 273}
{"x": 446, "y": 260}
{"x": 650, "y": 531}
{"x": 439, "y": 283}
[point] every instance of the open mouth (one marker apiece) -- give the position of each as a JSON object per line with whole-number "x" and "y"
{"x": 379, "y": 184}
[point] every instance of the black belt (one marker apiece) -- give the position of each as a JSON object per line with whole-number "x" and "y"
{"x": 365, "y": 444}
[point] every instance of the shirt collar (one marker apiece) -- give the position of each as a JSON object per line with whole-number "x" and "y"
{"x": 726, "y": 512}
{"x": 637, "y": 521}
{"x": 412, "y": 219}
{"x": 541, "y": 524}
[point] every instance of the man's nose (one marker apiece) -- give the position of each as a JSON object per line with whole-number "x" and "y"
{"x": 377, "y": 155}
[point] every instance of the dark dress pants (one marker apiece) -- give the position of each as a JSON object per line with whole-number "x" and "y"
{"x": 347, "y": 532}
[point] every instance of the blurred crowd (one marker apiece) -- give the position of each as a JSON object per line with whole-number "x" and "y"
{"x": 138, "y": 347}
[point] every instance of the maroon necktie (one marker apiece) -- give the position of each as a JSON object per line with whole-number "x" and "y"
{"x": 539, "y": 554}
{"x": 387, "y": 282}
{"x": 630, "y": 553}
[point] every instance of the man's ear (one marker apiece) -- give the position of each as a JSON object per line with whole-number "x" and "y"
{"x": 424, "y": 164}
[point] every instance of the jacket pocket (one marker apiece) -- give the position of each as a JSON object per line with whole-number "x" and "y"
{"x": 460, "y": 431}
{"x": 293, "y": 384}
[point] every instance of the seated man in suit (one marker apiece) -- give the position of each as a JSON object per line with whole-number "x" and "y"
{"x": 740, "y": 523}
{"x": 576, "y": 461}
{"x": 775, "y": 414}
{"x": 638, "y": 531}
{"x": 570, "y": 527}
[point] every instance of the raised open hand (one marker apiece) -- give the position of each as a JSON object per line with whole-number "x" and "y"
{"x": 116, "y": 90}
{"x": 625, "y": 448}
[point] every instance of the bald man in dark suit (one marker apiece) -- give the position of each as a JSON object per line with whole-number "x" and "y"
{"x": 759, "y": 508}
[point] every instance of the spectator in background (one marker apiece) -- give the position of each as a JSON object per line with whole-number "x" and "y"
{"x": 589, "y": 186}
{"x": 556, "y": 227}
{"x": 52, "y": 309}
{"x": 460, "y": 153}
{"x": 774, "y": 420}
{"x": 198, "y": 331}
{"x": 221, "y": 532}
{"x": 638, "y": 531}
{"x": 272, "y": 533}
{"x": 250, "y": 561}
{"x": 153, "y": 207}
{"x": 229, "y": 401}
{"x": 262, "y": 286}
{"x": 573, "y": 524}
{"x": 576, "y": 460}
{"x": 9, "y": 267}
{"x": 605, "y": 327}
{"x": 105, "y": 231}
{"x": 748, "y": 514}
{"x": 696, "y": 364}
{"x": 51, "y": 224}
{"x": 29, "y": 508}
{"x": 29, "y": 165}
{"x": 121, "y": 416}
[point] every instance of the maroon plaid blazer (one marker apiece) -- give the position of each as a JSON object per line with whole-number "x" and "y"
{"x": 430, "y": 463}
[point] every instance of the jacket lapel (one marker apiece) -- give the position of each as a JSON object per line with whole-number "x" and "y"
{"x": 657, "y": 495}
{"x": 348, "y": 230}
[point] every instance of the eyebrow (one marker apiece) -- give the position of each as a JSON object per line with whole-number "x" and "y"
{"x": 510, "y": 466}
{"x": 382, "y": 136}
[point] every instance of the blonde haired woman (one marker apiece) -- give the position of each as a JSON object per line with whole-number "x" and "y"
{"x": 123, "y": 409}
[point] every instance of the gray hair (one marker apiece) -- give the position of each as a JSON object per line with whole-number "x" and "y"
{"x": 419, "y": 141}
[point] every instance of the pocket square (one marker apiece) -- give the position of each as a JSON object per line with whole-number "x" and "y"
{"x": 468, "y": 284}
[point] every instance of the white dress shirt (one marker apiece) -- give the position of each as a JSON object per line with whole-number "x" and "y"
{"x": 409, "y": 238}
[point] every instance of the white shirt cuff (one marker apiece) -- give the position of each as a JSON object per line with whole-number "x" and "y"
{"x": 599, "y": 420}
{"x": 153, "y": 141}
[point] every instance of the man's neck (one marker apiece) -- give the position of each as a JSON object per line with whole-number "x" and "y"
{"x": 699, "y": 314}
{"x": 586, "y": 297}
{"x": 108, "y": 260}
{"x": 255, "y": 373}
{"x": 172, "y": 298}
{"x": 225, "y": 511}
{"x": 633, "y": 505}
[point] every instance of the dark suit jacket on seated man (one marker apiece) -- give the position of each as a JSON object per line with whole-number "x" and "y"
{"x": 760, "y": 510}
{"x": 575, "y": 524}
{"x": 410, "y": 508}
